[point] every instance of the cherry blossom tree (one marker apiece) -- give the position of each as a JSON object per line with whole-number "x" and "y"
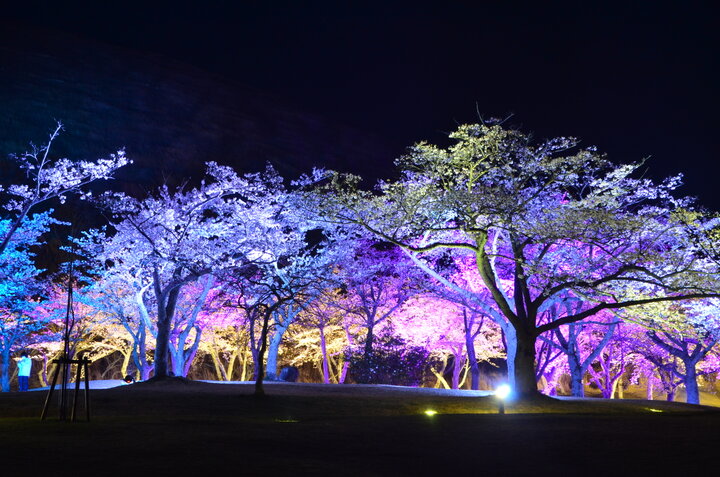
{"x": 613, "y": 361}
{"x": 303, "y": 275}
{"x": 684, "y": 333}
{"x": 580, "y": 343}
{"x": 449, "y": 330}
{"x": 377, "y": 281}
{"x": 282, "y": 280}
{"x": 175, "y": 238}
{"x": 22, "y": 225}
{"x": 47, "y": 179}
{"x": 541, "y": 221}
{"x": 19, "y": 294}
{"x": 119, "y": 295}
{"x": 322, "y": 318}
{"x": 226, "y": 340}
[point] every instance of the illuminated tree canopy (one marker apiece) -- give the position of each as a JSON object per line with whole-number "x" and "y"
{"x": 544, "y": 222}
{"x": 535, "y": 258}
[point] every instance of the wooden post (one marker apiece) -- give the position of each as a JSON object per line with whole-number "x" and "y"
{"x": 50, "y": 391}
{"x": 87, "y": 389}
{"x": 77, "y": 387}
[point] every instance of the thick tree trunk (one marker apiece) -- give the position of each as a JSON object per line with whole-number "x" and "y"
{"x": 525, "y": 385}
{"x": 145, "y": 372}
{"x": 691, "y": 385}
{"x": 577, "y": 389}
{"x": 458, "y": 365}
{"x": 166, "y": 312}
{"x": 369, "y": 338}
{"x": 511, "y": 352}
{"x": 271, "y": 373}
{"x": 161, "y": 348}
{"x": 472, "y": 360}
{"x": 177, "y": 361}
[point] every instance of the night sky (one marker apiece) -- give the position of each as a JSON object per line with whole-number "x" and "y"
{"x": 635, "y": 80}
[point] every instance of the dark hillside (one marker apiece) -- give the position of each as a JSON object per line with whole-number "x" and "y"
{"x": 170, "y": 117}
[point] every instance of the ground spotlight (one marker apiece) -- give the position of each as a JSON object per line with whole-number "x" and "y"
{"x": 501, "y": 393}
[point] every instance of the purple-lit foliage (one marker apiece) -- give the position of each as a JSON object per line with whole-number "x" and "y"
{"x": 493, "y": 248}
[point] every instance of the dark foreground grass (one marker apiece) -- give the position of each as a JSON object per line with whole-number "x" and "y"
{"x": 202, "y": 429}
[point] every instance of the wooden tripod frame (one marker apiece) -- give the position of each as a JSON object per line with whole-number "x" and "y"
{"x": 63, "y": 364}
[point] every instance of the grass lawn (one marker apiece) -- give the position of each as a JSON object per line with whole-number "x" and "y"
{"x": 186, "y": 428}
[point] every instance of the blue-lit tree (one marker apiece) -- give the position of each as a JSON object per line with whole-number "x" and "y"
{"x": 20, "y": 292}
{"x": 22, "y": 224}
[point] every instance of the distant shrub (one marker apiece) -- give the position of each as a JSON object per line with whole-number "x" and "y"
{"x": 391, "y": 362}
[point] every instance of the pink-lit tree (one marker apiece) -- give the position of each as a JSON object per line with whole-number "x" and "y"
{"x": 449, "y": 330}
{"x": 225, "y": 339}
{"x": 483, "y": 339}
{"x": 539, "y": 221}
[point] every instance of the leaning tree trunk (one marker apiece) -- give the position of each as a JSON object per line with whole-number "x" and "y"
{"x": 273, "y": 351}
{"x": 472, "y": 360}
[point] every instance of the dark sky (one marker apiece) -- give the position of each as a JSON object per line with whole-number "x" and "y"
{"x": 637, "y": 80}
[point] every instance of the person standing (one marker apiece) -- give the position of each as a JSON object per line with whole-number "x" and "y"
{"x": 24, "y": 365}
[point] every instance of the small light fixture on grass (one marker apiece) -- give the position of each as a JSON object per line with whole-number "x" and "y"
{"x": 430, "y": 412}
{"x": 501, "y": 393}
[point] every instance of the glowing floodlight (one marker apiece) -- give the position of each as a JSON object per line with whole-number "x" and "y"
{"x": 430, "y": 412}
{"x": 501, "y": 393}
